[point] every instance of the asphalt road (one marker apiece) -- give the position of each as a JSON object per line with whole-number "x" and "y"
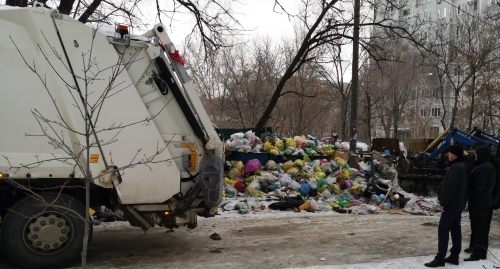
{"x": 270, "y": 240}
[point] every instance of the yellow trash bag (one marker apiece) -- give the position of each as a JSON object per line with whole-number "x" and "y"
{"x": 287, "y": 165}
{"x": 319, "y": 175}
{"x": 253, "y": 189}
{"x": 238, "y": 165}
{"x": 293, "y": 171}
{"x": 290, "y": 142}
{"x": 250, "y": 179}
{"x": 340, "y": 162}
{"x": 280, "y": 145}
{"x": 228, "y": 181}
{"x": 299, "y": 163}
{"x": 234, "y": 173}
{"x": 356, "y": 188}
{"x": 268, "y": 146}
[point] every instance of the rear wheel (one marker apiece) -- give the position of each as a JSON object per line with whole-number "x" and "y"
{"x": 44, "y": 234}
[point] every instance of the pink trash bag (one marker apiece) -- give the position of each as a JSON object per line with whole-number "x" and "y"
{"x": 252, "y": 166}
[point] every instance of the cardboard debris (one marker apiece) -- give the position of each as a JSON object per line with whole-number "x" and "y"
{"x": 397, "y": 211}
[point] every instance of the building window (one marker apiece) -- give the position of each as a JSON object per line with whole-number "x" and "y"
{"x": 434, "y": 131}
{"x": 427, "y": 16}
{"x": 424, "y": 112}
{"x": 435, "y": 92}
{"x": 476, "y": 4}
{"x": 473, "y": 26}
{"x": 444, "y": 13}
{"x": 438, "y": 14}
{"x": 436, "y": 112}
{"x": 406, "y": 12}
{"x": 459, "y": 9}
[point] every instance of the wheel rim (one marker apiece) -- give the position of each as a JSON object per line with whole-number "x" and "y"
{"x": 48, "y": 233}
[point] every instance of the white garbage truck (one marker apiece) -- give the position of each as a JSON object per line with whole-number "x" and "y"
{"x": 66, "y": 87}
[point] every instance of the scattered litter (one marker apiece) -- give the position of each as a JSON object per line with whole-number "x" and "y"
{"x": 398, "y": 211}
{"x": 322, "y": 259}
{"x": 215, "y": 236}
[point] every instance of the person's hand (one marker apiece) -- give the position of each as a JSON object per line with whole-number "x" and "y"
{"x": 441, "y": 208}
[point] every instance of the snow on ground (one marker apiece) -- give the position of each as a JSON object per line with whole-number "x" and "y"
{"x": 418, "y": 262}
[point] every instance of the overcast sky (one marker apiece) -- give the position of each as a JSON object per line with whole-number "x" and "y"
{"x": 253, "y": 14}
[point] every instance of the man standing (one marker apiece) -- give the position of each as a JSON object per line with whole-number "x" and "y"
{"x": 452, "y": 199}
{"x": 480, "y": 197}
{"x": 471, "y": 159}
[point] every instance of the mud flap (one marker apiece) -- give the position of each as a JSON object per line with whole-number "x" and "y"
{"x": 211, "y": 179}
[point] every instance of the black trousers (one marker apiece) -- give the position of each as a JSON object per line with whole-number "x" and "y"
{"x": 480, "y": 222}
{"x": 449, "y": 223}
{"x": 471, "y": 241}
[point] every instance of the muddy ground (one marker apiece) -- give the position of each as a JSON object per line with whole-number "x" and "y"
{"x": 270, "y": 240}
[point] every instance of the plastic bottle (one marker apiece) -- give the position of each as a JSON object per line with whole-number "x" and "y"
{"x": 386, "y": 205}
{"x": 395, "y": 205}
{"x": 375, "y": 199}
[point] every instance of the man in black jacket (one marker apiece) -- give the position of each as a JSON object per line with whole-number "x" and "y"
{"x": 471, "y": 159}
{"x": 452, "y": 199}
{"x": 480, "y": 197}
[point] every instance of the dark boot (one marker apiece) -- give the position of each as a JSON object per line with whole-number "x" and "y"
{"x": 474, "y": 258}
{"x": 435, "y": 263}
{"x": 451, "y": 260}
{"x": 468, "y": 250}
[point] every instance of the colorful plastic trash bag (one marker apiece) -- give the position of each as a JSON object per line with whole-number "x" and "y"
{"x": 290, "y": 142}
{"x": 304, "y": 188}
{"x": 252, "y": 166}
{"x": 234, "y": 173}
{"x": 343, "y": 202}
{"x": 271, "y": 165}
{"x": 300, "y": 141}
{"x": 239, "y": 186}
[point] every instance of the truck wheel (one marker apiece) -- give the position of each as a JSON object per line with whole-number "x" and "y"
{"x": 43, "y": 235}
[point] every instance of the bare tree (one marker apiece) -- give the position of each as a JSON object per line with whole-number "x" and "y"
{"x": 461, "y": 49}
{"x": 213, "y": 20}
{"x": 336, "y": 78}
{"x": 327, "y": 23}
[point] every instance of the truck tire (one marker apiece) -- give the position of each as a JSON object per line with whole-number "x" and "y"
{"x": 39, "y": 235}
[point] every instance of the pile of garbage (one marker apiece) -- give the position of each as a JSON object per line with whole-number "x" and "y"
{"x": 298, "y": 145}
{"x": 323, "y": 184}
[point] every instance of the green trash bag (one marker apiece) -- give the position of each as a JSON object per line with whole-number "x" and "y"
{"x": 343, "y": 202}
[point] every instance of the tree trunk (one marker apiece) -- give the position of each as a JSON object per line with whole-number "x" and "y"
{"x": 65, "y": 6}
{"x": 473, "y": 91}
{"x": 395, "y": 115}
{"x": 16, "y": 3}
{"x": 292, "y": 68}
{"x": 344, "y": 119}
{"x": 368, "y": 115}
{"x": 455, "y": 107}
{"x": 90, "y": 10}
